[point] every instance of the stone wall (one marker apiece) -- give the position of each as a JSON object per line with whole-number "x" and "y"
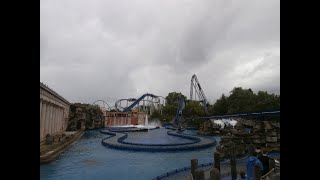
{"x": 85, "y": 116}
{"x": 264, "y": 134}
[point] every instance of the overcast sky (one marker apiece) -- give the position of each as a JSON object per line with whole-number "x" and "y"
{"x": 113, "y": 49}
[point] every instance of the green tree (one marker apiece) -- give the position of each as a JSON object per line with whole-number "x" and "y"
{"x": 173, "y": 98}
{"x": 156, "y": 114}
{"x": 244, "y": 100}
{"x": 241, "y": 100}
{"x": 170, "y": 109}
{"x": 193, "y": 109}
{"x": 267, "y": 101}
{"x": 220, "y": 107}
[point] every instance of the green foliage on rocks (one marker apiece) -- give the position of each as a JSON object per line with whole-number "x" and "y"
{"x": 90, "y": 114}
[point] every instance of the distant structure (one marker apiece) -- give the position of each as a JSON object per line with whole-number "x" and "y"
{"x": 54, "y": 113}
{"x": 133, "y": 114}
{"x": 133, "y": 117}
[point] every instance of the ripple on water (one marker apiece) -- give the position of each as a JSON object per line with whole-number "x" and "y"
{"x": 89, "y": 159}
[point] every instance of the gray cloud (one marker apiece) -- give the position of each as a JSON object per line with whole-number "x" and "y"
{"x": 107, "y": 49}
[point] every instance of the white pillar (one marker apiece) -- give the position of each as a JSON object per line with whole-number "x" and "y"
{"x": 65, "y": 125}
{"x": 40, "y": 111}
{"x": 40, "y": 119}
{"x": 43, "y": 120}
{"x": 54, "y": 119}
{"x": 61, "y": 120}
{"x": 47, "y": 115}
{"x": 50, "y": 119}
{"x": 58, "y": 119}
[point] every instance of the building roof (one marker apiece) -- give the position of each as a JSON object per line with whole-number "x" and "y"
{"x": 54, "y": 93}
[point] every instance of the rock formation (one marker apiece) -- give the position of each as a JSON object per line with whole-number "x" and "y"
{"x": 85, "y": 116}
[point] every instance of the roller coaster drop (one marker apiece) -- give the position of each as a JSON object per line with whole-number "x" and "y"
{"x": 195, "y": 85}
{"x": 195, "y": 91}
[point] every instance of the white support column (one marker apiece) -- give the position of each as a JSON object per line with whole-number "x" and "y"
{"x": 40, "y": 111}
{"x": 54, "y": 119}
{"x": 64, "y": 120}
{"x": 50, "y": 119}
{"x": 61, "y": 119}
{"x": 40, "y": 118}
{"x": 47, "y": 115}
{"x": 58, "y": 119}
{"x": 43, "y": 120}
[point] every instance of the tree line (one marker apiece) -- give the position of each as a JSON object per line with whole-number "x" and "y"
{"x": 240, "y": 100}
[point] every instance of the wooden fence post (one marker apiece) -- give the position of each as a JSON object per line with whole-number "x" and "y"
{"x": 215, "y": 174}
{"x": 194, "y": 166}
{"x": 217, "y": 160}
{"x": 233, "y": 162}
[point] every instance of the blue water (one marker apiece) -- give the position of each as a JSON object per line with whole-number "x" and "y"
{"x": 157, "y": 136}
{"x": 89, "y": 159}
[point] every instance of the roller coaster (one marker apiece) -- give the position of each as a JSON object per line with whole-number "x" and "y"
{"x": 181, "y": 105}
{"x": 196, "y": 91}
{"x": 103, "y": 107}
{"x": 150, "y": 102}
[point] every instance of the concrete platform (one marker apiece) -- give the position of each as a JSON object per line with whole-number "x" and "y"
{"x": 50, "y": 152}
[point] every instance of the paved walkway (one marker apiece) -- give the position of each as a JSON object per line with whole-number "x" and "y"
{"x": 50, "y": 152}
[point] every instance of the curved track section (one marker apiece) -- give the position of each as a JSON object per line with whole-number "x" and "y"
{"x": 118, "y": 103}
{"x": 145, "y": 102}
{"x": 116, "y": 141}
{"x": 138, "y": 100}
{"x": 102, "y": 107}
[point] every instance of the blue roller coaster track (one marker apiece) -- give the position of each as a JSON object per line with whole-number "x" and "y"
{"x": 195, "y": 85}
{"x": 136, "y": 102}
